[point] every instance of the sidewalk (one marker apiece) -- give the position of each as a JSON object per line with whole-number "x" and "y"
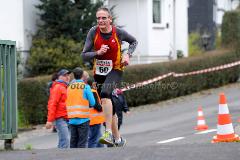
{"x": 28, "y": 138}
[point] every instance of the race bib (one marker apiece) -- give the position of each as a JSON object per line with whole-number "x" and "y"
{"x": 103, "y": 67}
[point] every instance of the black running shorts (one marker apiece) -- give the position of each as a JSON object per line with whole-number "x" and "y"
{"x": 106, "y": 84}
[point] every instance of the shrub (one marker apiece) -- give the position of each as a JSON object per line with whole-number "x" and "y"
{"x": 194, "y": 44}
{"x": 47, "y": 57}
{"x": 180, "y": 54}
{"x": 231, "y": 29}
{"x": 218, "y": 40}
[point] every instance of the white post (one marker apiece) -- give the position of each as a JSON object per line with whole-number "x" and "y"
{"x": 138, "y": 53}
{"x": 174, "y": 55}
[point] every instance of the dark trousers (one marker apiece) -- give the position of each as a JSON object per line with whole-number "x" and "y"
{"x": 94, "y": 135}
{"x": 79, "y": 135}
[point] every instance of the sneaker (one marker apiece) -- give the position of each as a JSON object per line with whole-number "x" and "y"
{"x": 122, "y": 143}
{"x": 110, "y": 145}
{"x": 107, "y": 138}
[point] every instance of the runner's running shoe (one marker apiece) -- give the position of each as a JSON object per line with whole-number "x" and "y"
{"x": 107, "y": 138}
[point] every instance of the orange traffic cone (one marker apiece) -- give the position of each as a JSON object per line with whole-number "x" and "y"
{"x": 225, "y": 131}
{"x": 201, "y": 124}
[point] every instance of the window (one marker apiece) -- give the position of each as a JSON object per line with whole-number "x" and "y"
{"x": 157, "y": 11}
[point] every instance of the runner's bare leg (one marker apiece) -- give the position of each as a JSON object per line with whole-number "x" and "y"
{"x": 107, "y": 111}
{"x": 111, "y": 121}
{"x": 115, "y": 130}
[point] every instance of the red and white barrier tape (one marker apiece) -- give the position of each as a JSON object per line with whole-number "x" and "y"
{"x": 217, "y": 68}
{"x": 140, "y": 84}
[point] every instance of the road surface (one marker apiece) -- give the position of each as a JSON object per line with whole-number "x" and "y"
{"x": 158, "y": 131}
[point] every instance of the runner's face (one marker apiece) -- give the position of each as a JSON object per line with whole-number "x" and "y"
{"x": 104, "y": 20}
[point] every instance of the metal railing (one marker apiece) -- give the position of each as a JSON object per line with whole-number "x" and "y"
{"x": 8, "y": 94}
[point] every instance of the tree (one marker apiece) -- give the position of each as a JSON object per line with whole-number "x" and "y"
{"x": 52, "y": 15}
{"x": 63, "y": 29}
{"x": 49, "y": 56}
{"x": 70, "y": 19}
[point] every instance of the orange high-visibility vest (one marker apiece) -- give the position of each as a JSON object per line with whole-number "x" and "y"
{"x": 77, "y": 106}
{"x": 95, "y": 116}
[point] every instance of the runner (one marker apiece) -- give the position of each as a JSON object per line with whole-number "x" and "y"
{"x": 103, "y": 44}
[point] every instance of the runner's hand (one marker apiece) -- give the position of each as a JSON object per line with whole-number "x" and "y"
{"x": 128, "y": 113}
{"x": 49, "y": 125}
{"x": 102, "y": 50}
{"x": 125, "y": 59}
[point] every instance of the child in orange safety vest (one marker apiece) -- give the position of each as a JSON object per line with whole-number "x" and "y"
{"x": 79, "y": 101}
{"x": 96, "y": 119}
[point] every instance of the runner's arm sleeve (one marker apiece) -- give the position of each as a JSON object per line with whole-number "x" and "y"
{"x": 97, "y": 105}
{"x": 88, "y": 52}
{"x": 89, "y": 95}
{"x": 125, "y": 36}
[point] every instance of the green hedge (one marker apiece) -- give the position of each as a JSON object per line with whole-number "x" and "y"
{"x": 174, "y": 87}
{"x": 231, "y": 29}
{"x": 32, "y": 95}
{"x": 32, "y": 100}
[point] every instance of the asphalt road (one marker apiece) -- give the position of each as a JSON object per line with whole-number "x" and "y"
{"x": 159, "y": 131}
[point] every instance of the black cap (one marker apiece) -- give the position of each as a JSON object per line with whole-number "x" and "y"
{"x": 63, "y": 72}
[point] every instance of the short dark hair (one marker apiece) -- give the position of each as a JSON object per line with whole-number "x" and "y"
{"x": 54, "y": 76}
{"x": 90, "y": 81}
{"x": 105, "y": 9}
{"x": 78, "y": 73}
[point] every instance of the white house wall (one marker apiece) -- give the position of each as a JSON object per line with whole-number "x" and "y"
{"x": 235, "y": 4}
{"x": 11, "y": 18}
{"x": 142, "y": 31}
{"x": 131, "y": 15}
{"x": 182, "y": 26}
{"x": 161, "y": 37}
{"x": 18, "y": 21}
{"x": 30, "y": 20}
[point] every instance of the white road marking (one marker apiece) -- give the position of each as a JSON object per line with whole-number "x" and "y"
{"x": 171, "y": 140}
{"x": 207, "y": 131}
{"x": 179, "y": 138}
